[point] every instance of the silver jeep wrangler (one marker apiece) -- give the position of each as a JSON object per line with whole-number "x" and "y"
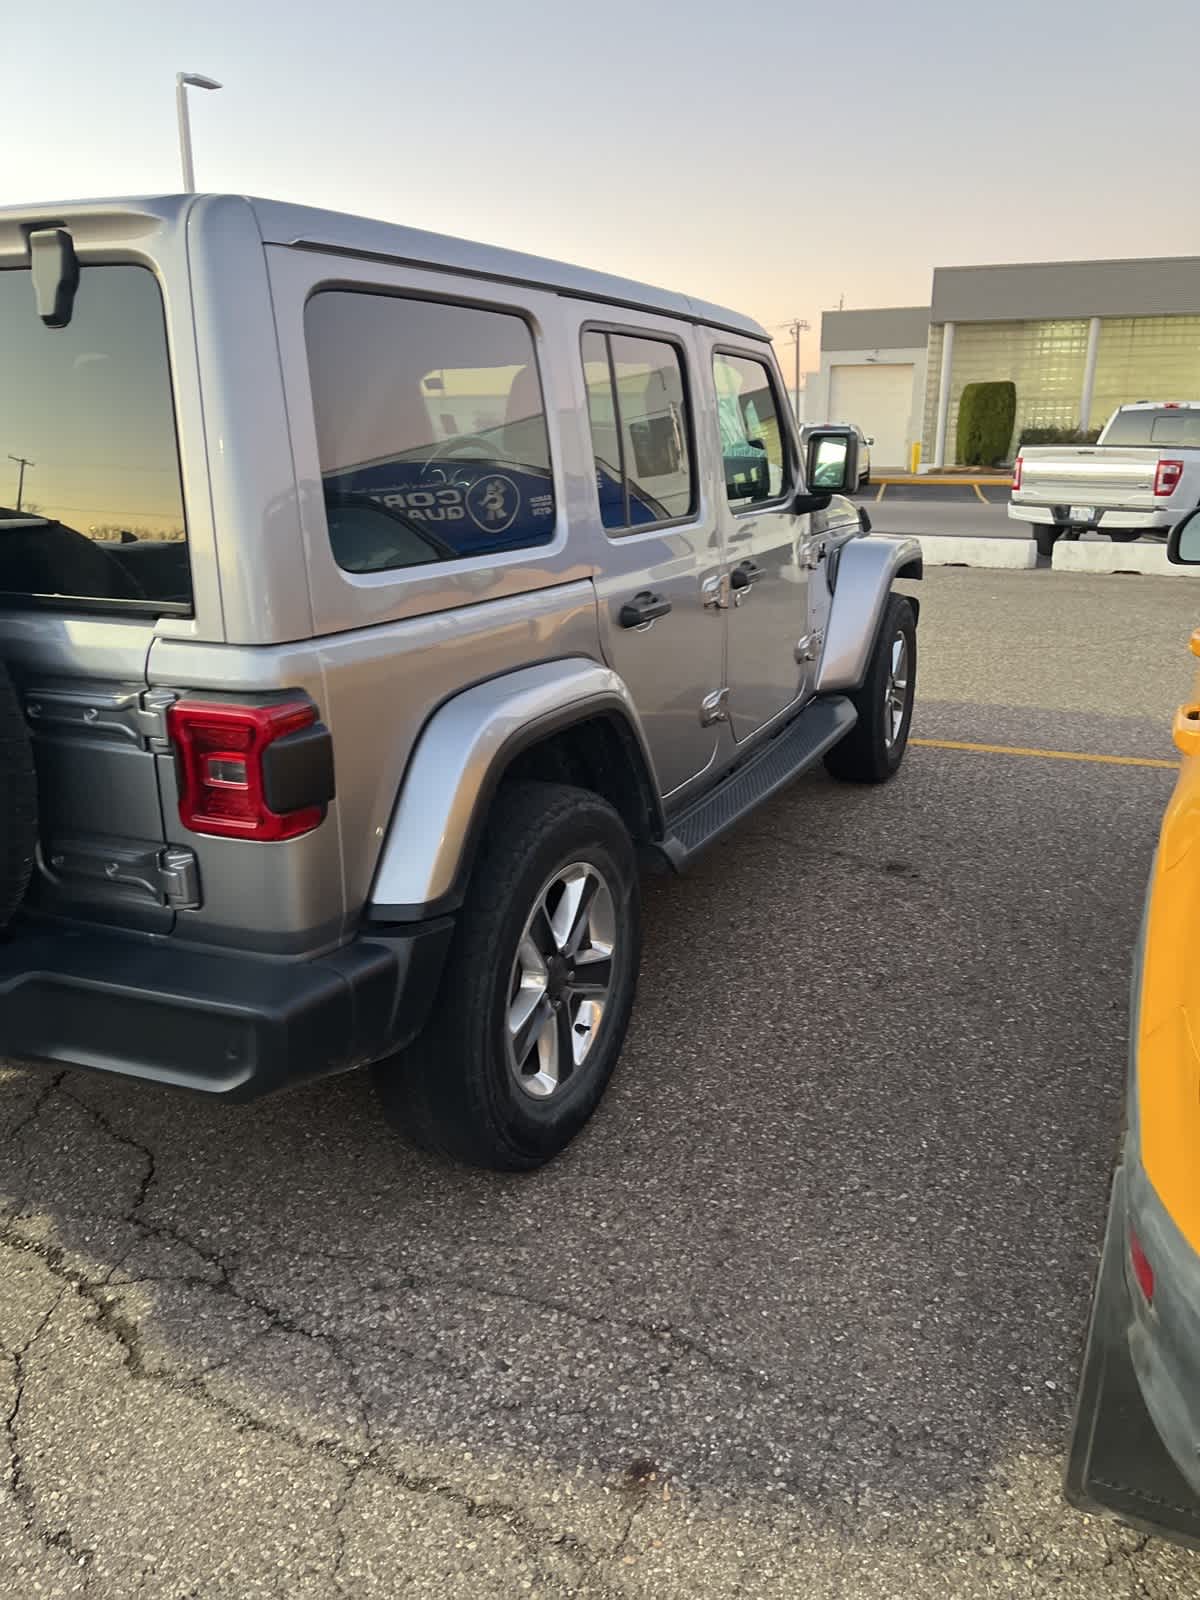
{"x": 373, "y": 604}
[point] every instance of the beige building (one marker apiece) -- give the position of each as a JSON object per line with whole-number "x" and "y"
{"x": 1077, "y": 338}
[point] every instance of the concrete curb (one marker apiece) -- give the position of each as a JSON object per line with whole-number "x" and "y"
{"x": 1104, "y": 556}
{"x": 945, "y": 550}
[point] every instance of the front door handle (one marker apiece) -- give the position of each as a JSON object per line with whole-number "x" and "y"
{"x": 643, "y": 608}
{"x": 744, "y": 574}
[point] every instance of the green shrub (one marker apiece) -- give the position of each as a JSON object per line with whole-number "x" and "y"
{"x": 986, "y": 414}
{"x": 1057, "y": 436}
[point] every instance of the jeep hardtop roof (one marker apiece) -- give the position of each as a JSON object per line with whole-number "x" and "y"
{"x": 308, "y": 228}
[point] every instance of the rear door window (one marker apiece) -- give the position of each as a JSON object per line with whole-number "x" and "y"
{"x": 641, "y": 432}
{"x": 431, "y": 430}
{"x": 91, "y": 507}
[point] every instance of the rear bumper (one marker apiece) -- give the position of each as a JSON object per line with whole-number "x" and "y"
{"x": 233, "y": 1026}
{"x": 1149, "y": 521}
{"x": 1121, "y": 1458}
{"x": 1164, "y": 1340}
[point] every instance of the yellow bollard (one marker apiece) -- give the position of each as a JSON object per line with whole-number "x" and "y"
{"x": 915, "y": 457}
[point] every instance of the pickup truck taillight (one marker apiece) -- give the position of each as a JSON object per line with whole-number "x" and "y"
{"x": 251, "y": 772}
{"x": 1167, "y": 476}
{"x": 1017, "y": 464}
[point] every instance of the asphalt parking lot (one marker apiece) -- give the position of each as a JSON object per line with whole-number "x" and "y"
{"x": 799, "y": 1315}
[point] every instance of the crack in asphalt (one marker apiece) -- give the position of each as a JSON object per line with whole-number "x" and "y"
{"x": 19, "y": 1487}
{"x": 126, "y": 1335}
{"x": 110, "y": 1321}
{"x": 40, "y": 1100}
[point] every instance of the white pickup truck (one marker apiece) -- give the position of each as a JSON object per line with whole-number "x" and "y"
{"x": 1139, "y": 477}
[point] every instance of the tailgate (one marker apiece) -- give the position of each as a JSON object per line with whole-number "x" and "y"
{"x": 1103, "y": 476}
{"x": 98, "y": 736}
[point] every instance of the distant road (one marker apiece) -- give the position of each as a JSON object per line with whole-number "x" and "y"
{"x": 949, "y": 515}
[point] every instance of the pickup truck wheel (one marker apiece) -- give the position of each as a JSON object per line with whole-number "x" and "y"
{"x": 18, "y": 801}
{"x": 874, "y": 748}
{"x": 1045, "y": 536}
{"x": 1124, "y": 536}
{"x": 537, "y": 989}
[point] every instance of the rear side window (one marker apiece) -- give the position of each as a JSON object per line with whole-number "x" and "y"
{"x": 752, "y": 447}
{"x": 1169, "y": 426}
{"x": 431, "y": 430}
{"x": 641, "y": 439}
{"x": 91, "y": 509}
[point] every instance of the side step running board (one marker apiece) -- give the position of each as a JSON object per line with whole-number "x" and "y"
{"x": 799, "y": 746}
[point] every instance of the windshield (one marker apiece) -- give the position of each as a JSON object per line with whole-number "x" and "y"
{"x": 91, "y": 508}
{"x": 1171, "y": 426}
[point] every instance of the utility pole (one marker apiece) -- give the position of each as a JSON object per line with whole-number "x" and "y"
{"x": 796, "y": 327}
{"x": 22, "y": 463}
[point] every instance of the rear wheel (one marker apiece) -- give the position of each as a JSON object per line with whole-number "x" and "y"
{"x": 874, "y": 748}
{"x": 537, "y": 991}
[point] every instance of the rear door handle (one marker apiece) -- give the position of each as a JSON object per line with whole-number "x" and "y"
{"x": 643, "y": 608}
{"x": 744, "y": 574}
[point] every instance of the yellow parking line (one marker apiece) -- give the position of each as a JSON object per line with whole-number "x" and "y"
{"x": 979, "y": 494}
{"x": 881, "y": 492}
{"x": 1051, "y": 755}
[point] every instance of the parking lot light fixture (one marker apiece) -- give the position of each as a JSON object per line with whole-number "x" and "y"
{"x": 184, "y": 80}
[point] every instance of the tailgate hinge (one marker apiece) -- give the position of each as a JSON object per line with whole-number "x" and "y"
{"x": 809, "y": 647}
{"x": 179, "y": 879}
{"x": 153, "y": 706}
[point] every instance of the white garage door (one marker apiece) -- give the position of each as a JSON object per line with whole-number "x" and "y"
{"x": 879, "y": 399}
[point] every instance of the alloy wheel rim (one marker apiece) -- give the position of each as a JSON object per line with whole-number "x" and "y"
{"x": 896, "y": 690}
{"x": 561, "y": 980}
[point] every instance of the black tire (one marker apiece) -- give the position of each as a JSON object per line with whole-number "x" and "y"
{"x": 865, "y": 483}
{"x": 18, "y": 801}
{"x": 866, "y": 754}
{"x": 1045, "y": 536}
{"x": 454, "y": 1090}
{"x": 1124, "y": 536}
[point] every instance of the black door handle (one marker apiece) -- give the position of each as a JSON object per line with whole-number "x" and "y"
{"x": 744, "y": 574}
{"x": 643, "y": 608}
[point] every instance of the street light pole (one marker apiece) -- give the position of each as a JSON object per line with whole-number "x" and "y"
{"x": 22, "y": 463}
{"x": 182, "y": 81}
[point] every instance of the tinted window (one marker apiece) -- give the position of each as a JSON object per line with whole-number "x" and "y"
{"x": 751, "y": 437}
{"x": 431, "y": 430}
{"x": 640, "y": 437}
{"x": 97, "y": 512}
{"x": 1175, "y": 427}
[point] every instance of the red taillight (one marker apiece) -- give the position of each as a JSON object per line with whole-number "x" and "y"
{"x": 225, "y": 785}
{"x": 1167, "y": 476}
{"x": 1142, "y": 1270}
{"x": 1017, "y": 473}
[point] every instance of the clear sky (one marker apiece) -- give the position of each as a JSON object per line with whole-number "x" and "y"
{"x": 773, "y": 155}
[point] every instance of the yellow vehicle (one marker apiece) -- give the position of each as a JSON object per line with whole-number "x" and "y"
{"x": 1136, "y": 1445}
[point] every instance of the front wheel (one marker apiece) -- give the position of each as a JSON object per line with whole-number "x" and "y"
{"x": 874, "y": 748}
{"x": 537, "y": 990}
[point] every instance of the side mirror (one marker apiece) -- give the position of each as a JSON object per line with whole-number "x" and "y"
{"x": 1183, "y": 545}
{"x": 831, "y": 461}
{"x": 868, "y": 439}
